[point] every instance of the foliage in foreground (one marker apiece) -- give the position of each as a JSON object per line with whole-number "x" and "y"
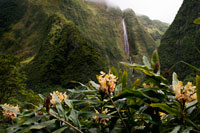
{"x": 152, "y": 105}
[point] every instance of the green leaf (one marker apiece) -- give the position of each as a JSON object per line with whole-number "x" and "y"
{"x": 197, "y": 21}
{"x": 136, "y": 84}
{"x": 191, "y": 106}
{"x": 82, "y": 91}
{"x": 188, "y": 130}
{"x": 95, "y": 85}
{"x": 176, "y": 129}
{"x": 146, "y": 70}
{"x": 166, "y": 108}
{"x": 32, "y": 120}
{"x": 174, "y": 79}
{"x": 39, "y": 125}
{"x": 114, "y": 71}
{"x": 192, "y": 123}
{"x": 124, "y": 79}
{"x": 74, "y": 117}
{"x": 89, "y": 114}
{"x": 41, "y": 96}
{"x": 146, "y": 61}
{"x": 134, "y": 93}
{"x": 69, "y": 103}
{"x": 198, "y": 87}
{"x": 86, "y": 101}
{"x": 195, "y": 68}
{"x": 60, "y": 130}
{"x": 155, "y": 58}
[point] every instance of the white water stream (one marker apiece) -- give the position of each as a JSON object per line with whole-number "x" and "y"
{"x": 126, "y": 43}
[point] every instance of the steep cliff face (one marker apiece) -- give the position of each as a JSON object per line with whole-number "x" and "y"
{"x": 141, "y": 43}
{"x": 181, "y": 41}
{"x": 68, "y": 39}
{"x": 155, "y": 28}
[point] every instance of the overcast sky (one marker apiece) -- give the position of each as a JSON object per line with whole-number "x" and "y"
{"x": 164, "y": 10}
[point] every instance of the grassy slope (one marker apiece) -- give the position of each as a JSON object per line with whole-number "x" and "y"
{"x": 155, "y": 28}
{"x": 180, "y": 40}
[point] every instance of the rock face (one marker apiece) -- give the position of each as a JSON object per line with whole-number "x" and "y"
{"x": 69, "y": 40}
{"x": 181, "y": 40}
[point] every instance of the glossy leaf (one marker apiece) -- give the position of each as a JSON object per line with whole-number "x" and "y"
{"x": 147, "y": 71}
{"x": 86, "y": 101}
{"x": 41, "y": 96}
{"x": 198, "y": 87}
{"x": 166, "y": 108}
{"x": 60, "y": 130}
{"x": 114, "y": 71}
{"x": 95, "y": 85}
{"x": 155, "y": 58}
{"x": 174, "y": 79}
{"x": 82, "y": 91}
{"x": 39, "y": 125}
{"x": 124, "y": 79}
{"x": 146, "y": 61}
{"x": 176, "y": 129}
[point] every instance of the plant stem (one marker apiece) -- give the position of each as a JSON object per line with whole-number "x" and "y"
{"x": 67, "y": 123}
{"x": 120, "y": 116}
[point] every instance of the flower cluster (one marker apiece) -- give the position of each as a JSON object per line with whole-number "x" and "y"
{"x": 185, "y": 93}
{"x": 107, "y": 82}
{"x": 9, "y": 114}
{"x": 99, "y": 120}
{"x": 162, "y": 115}
{"x": 61, "y": 96}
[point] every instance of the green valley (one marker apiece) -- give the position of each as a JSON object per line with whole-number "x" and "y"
{"x": 61, "y": 40}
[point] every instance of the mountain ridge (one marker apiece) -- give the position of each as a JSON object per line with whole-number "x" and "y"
{"x": 37, "y": 37}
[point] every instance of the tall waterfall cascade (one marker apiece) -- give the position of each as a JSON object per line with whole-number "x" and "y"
{"x": 126, "y": 43}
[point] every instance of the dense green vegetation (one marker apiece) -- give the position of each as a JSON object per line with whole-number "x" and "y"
{"x": 181, "y": 41}
{"x": 141, "y": 43}
{"x": 65, "y": 56}
{"x": 11, "y": 80}
{"x": 50, "y": 58}
{"x": 155, "y": 28}
{"x": 153, "y": 105}
{"x": 67, "y": 43}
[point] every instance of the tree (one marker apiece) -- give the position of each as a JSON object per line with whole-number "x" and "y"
{"x": 12, "y": 81}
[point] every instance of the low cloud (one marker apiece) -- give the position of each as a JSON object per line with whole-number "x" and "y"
{"x": 106, "y": 2}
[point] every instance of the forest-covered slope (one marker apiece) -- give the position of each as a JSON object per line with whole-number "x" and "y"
{"x": 181, "y": 41}
{"x": 155, "y": 28}
{"x": 68, "y": 39}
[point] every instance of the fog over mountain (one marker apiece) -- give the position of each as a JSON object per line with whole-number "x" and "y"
{"x": 164, "y": 10}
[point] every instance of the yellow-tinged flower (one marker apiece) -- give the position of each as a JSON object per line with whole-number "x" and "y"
{"x": 61, "y": 96}
{"x": 150, "y": 85}
{"x": 9, "y": 114}
{"x": 162, "y": 115}
{"x": 185, "y": 93}
{"x": 99, "y": 120}
{"x": 107, "y": 82}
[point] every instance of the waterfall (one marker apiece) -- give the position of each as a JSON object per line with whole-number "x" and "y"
{"x": 126, "y": 43}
